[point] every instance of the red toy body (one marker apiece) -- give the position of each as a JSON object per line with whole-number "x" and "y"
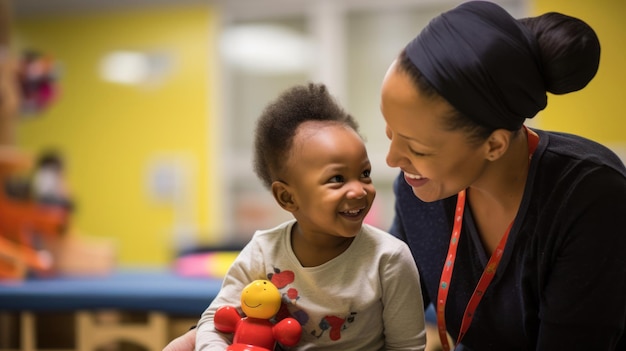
{"x": 260, "y": 301}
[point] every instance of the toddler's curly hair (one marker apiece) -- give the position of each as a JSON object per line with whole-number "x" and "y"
{"x": 277, "y": 125}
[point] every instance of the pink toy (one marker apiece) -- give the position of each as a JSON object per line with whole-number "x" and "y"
{"x": 260, "y": 301}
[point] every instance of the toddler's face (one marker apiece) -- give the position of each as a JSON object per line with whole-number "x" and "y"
{"x": 329, "y": 174}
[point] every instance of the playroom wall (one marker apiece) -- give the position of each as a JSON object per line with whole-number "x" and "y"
{"x": 596, "y": 111}
{"x": 127, "y": 145}
{"x": 139, "y": 157}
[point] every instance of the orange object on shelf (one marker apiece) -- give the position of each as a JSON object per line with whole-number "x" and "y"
{"x": 22, "y": 221}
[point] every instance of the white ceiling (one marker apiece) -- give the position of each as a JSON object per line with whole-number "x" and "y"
{"x": 236, "y": 8}
{"x": 46, "y": 7}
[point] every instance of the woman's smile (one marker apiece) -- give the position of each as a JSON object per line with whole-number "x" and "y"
{"x": 415, "y": 180}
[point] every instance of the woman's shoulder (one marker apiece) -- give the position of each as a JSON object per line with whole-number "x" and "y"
{"x": 577, "y": 151}
{"x": 573, "y": 173}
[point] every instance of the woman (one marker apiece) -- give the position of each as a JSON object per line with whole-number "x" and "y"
{"x": 534, "y": 261}
{"x": 516, "y": 232}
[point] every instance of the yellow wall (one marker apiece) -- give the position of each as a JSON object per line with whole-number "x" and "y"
{"x": 111, "y": 133}
{"x": 597, "y": 110}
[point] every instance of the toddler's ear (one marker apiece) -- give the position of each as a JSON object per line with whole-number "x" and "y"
{"x": 282, "y": 195}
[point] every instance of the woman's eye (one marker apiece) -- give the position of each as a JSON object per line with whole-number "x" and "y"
{"x": 416, "y": 153}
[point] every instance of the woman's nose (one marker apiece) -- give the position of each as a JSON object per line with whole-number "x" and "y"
{"x": 393, "y": 156}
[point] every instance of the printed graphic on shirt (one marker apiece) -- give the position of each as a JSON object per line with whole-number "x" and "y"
{"x": 329, "y": 325}
{"x": 281, "y": 278}
{"x": 334, "y": 325}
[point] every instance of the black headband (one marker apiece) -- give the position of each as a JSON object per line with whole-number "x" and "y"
{"x": 483, "y": 62}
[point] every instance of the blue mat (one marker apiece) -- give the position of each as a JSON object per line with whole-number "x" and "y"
{"x": 130, "y": 290}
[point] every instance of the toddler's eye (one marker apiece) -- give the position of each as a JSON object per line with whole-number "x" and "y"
{"x": 337, "y": 179}
{"x": 367, "y": 173}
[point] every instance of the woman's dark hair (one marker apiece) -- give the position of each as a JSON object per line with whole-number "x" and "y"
{"x": 569, "y": 53}
{"x": 453, "y": 121}
{"x": 277, "y": 126}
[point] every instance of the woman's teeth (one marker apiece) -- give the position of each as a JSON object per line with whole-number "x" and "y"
{"x": 413, "y": 176}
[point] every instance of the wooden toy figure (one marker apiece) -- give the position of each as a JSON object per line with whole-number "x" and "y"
{"x": 260, "y": 301}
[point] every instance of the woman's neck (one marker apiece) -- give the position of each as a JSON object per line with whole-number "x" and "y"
{"x": 502, "y": 184}
{"x": 495, "y": 199}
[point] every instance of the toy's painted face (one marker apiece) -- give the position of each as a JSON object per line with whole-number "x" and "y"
{"x": 260, "y": 299}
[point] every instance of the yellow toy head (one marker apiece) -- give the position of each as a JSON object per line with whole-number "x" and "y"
{"x": 260, "y": 299}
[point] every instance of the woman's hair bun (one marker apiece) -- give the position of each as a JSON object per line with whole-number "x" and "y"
{"x": 570, "y": 51}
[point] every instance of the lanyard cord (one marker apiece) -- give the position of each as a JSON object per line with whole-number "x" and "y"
{"x": 488, "y": 273}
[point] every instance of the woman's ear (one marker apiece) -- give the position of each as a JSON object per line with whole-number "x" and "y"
{"x": 498, "y": 143}
{"x": 282, "y": 195}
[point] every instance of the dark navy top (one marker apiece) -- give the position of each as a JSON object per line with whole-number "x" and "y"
{"x": 561, "y": 284}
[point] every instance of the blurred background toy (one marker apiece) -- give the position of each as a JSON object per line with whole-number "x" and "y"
{"x": 49, "y": 186}
{"x": 38, "y": 81}
{"x": 24, "y": 224}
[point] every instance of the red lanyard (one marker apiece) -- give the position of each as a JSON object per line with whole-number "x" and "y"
{"x": 488, "y": 273}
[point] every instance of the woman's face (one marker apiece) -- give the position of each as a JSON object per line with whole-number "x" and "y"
{"x": 436, "y": 162}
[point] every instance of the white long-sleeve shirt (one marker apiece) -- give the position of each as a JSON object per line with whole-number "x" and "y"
{"x": 367, "y": 298}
